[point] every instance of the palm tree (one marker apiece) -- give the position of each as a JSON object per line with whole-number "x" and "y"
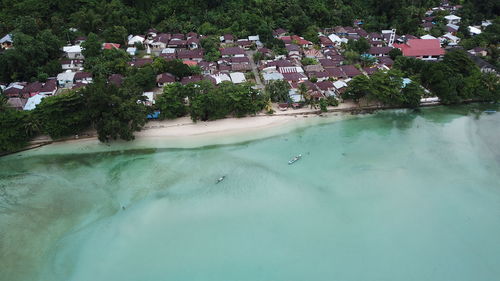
{"x": 304, "y": 93}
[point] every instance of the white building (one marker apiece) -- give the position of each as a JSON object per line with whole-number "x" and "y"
{"x": 221, "y": 77}
{"x": 427, "y": 36}
{"x": 474, "y": 30}
{"x": 33, "y": 102}
{"x": 273, "y": 76}
{"x": 451, "y": 39}
{"x": 237, "y": 77}
{"x": 132, "y": 40}
{"x": 132, "y": 51}
{"x": 453, "y": 19}
{"x": 73, "y": 52}
{"x": 65, "y": 79}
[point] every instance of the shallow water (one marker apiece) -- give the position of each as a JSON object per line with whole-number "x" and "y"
{"x": 392, "y": 196}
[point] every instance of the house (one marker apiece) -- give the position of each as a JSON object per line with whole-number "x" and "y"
{"x": 168, "y": 53}
{"x": 192, "y": 55}
{"x": 242, "y": 60}
{"x": 179, "y": 36}
{"x": 80, "y": 39}
{"x": 280, "y": 32}
{"x": 337, "y": 40}
{"x": 483, "y": 65}
{"x": 379, "y": 51}
{"x": 132, "y": 51}
{"x": 294, "y": 39}
{"x": 6, "y": 42}
{"x": 376, "y": 43}
{"x": 14, "y": 90}
{"x": 137, "y": 39}
{"x": 227, "y": 39}
{"x": 49, "y": 87}
{"x": 140, "y": 62}
{"x": 273, "y": 76}
{"x": 387, "y": 61}
{"x": 340, "y": 31}
{"x": 207, "y": 67}
{"x": 293, "y": 51}
{"x": 325, "y": 42}
{"x": 151, "y": 34}
{"x": 474, "y": 30}
{"x": 110, "y": 46}
{"x": 149, "y": 98}
{"x": 32, "y": 89}
{"x": 190, "y": 62}
{"x": 72, "y": 64}
{"x": 221, "y": 77}
{"x": 160, "y": 42}
{"x": 340, "y": 87}
{"x": 478, "y": 51}
{"x": 237, "y": 77}
{"x": 423, "y": 49}
{"x": 240, "y": 67}
{"x": 73, "y": 52}
{"x": 350, "y": 70}
{"x": 370, "y": 70}
{"x": 313, "y": 68}
{"x": 361, "y": 32}
{"x": 290, "y": 69}
{"x": 83, "y": 77}
{"x": 326, "y": 87}
{"x": 451, "y": 39}
{"x": 191, "y": 79}
{"x": 192, "y": 35}
{"x": 427, "y": 37}
{"x": 244, "y": 43}
{"x": 453, "y": 19}
{"x": 232, "y": 52}
{"x": 164, "y": 79}
{"x": 427, "y": 26}
{"x": 452, "y": 28}
{"x": 313, "y": 53}
{"x": 193, "y": 43}
{"x": 319, "y": 75}
{"x": 33, "y": 102}
{"x": 16, "y": 103}
{"x": 177, "y": 43}
{"x": 66, "y": 79}
{"x": 294, "y": 77}
{"x": 254, "y": 38}
{"x": 374, "y": 36}
{"x": 328, "y": 63}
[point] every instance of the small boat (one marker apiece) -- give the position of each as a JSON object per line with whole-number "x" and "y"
{"x": 220, "y": 179}
{"x": 490, "y": 111}
{"x": 295, "y": 159}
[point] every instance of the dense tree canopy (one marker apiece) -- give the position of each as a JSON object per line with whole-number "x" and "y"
{"x": 454, "y": 79}
{"x": 63, "y": 115}
{"x": 115, "y": 112}
{"x": 17, "y": 129}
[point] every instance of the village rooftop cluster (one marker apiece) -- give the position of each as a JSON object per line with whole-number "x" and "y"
{"x": 322, "y": 67}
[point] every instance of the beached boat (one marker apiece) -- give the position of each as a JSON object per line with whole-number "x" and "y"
{"x": 295, "y": 159}
{"x": 490, "y": 111}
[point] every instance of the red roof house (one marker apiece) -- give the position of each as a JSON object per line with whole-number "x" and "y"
{"x": 425, "y": 49}
{"x": 110, "y": 46}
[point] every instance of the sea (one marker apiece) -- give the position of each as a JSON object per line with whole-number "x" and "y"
{"x": 390, "y": 196}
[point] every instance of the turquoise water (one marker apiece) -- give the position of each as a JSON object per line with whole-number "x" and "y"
{"x": 392, "y": 196}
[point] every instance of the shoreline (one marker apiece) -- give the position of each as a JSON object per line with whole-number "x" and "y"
{"x": 258, "y": 125}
